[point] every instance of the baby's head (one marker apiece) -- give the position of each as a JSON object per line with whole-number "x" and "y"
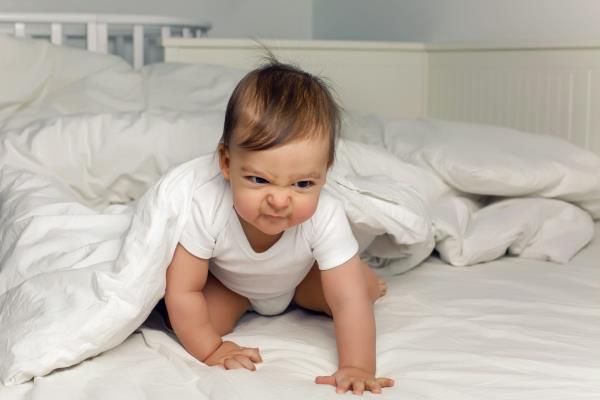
{"x": 279, "y": 103}
{"x": 278, "y": 141}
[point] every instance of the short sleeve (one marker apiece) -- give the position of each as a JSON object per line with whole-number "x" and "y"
{"x": 208, "y": 208}
{"x": 332, "y": 241}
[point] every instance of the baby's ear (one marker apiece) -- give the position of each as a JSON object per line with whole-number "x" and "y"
{"x": 224, "y": 160}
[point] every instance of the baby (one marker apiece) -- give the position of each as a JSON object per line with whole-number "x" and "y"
{"x": 262, "y": 234}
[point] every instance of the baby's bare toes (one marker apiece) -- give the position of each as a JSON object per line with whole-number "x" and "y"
{"x": 382, "y": 288}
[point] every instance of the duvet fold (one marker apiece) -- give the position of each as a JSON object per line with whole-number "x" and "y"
{"x": 76, "y": 281}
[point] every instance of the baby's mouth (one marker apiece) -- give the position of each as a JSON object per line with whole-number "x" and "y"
{"x": 275, "y": 217}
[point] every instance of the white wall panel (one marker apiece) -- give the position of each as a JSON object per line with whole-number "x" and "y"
{"x": 547, "y": 90}
{"x": 389, "y": 79}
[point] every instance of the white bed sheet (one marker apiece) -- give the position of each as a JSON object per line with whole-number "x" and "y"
{"x": 508, "y": 329}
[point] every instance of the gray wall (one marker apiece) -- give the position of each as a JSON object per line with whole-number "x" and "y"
{"x": 404, "y": 20}
{"x": 368, "y": 20}
{"x": 457, "y": 20}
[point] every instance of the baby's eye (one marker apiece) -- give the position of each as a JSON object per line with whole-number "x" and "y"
{"x": 304, "y": 184}
{"x": 257, "y": 180}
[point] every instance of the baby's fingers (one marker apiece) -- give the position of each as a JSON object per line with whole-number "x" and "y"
{"x": 358, "y": 387}
{"x": 325, "y": 380}
{"x": 385, "y": 382}
{"x": 373, "y": 386}
{"x": 252, "y": 353}
{"x": 237, "y": 362}
{"x": 343, "y": 385}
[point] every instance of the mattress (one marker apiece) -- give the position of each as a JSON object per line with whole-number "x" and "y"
{"x": 507, "y": 329}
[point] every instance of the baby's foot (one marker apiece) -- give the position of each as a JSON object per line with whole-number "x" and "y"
{"x": 382, "y": 287}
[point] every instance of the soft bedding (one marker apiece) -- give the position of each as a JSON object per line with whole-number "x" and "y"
{"x": 510, "y": 329}
{"x": 86, "y": 233}
{"x": 103, "y": 271}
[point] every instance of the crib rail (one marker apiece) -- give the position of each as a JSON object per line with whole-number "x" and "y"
{"x": 97, "y": 29}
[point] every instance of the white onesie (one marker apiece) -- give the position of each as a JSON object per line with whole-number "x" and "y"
{"x": 268, "y": 279}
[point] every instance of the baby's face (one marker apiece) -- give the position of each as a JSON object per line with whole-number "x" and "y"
{"x": 277, "y": 188}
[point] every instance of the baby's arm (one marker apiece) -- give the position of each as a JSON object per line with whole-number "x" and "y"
{"x": 189, "y": 316}
{"x": 346, "y": 292}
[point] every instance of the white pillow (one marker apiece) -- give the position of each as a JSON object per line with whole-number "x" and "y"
{"x": 189, "y": 87}
{"x": 113, "y": 157}
{"x": 491, "y": 160}
{"x": 40, "y": 80}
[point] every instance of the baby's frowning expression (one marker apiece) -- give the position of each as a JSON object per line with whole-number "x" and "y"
{"x": 276, "y": 188}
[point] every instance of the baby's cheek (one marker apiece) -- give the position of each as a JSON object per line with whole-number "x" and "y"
{"x": 245, "y": 205}
{"x": 304, "y": 211}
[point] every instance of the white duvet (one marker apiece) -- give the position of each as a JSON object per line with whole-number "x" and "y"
{"x": 81, "y": 266}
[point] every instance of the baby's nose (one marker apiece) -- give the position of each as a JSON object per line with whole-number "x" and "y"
{"x": 278, "y": 199}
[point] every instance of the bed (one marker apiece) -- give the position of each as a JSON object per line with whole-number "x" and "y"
{"x": 509, "y": 329}
{"x": 490, "y": 254}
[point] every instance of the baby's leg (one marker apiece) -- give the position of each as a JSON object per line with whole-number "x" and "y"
{"x": 224, "y": 306}
{"x": 309, "y": 293}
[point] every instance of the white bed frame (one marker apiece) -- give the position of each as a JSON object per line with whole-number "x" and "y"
{"x": 552, "y": 89}
{"x": 96, "y": 30}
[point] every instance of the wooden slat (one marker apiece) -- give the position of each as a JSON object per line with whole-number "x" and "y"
{"x": 165, "y": 32}
{"x": 91, "y": 36}
{"x": 56, "y": 33}
{"x": 102, "y": 38}
{"x": 138, "y": 46}
{"x": 19, "y": 29}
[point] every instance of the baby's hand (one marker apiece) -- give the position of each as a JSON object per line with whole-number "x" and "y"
{"x": 232, "y": 356}
{"x": 355, "y": 379}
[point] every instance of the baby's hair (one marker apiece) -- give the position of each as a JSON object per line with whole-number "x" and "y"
{"x": 278, "y": 103}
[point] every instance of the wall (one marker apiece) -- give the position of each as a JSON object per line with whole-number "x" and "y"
{"x": 403, "y": 20}
{"x": 457, "y": 20}
{"x": 368, "y": 20}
